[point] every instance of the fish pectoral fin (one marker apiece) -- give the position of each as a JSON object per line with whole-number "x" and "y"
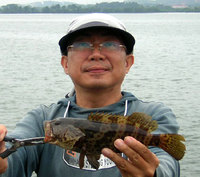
{"x": 81, "y": 157}
{"x": 93, "y": 160}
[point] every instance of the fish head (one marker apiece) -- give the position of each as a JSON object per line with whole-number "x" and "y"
{"x": 62, "y": 133}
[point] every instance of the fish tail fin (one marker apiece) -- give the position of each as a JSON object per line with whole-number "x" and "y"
{"x": 172, "y": 143}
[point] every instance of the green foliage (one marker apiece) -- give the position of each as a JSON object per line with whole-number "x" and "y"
{"x": 113, "y": 7}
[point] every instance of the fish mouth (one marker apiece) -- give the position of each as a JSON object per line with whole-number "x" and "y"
{"x": 48, "y": 132}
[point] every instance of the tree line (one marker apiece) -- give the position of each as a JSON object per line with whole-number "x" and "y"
{"x": 113, "y": 7}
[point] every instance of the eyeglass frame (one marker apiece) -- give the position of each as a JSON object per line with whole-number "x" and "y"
{"x": 91, "y": 46}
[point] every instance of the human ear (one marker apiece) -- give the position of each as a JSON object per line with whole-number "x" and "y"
{"x": 64, "y": 63}
{"x": 129, "y": 62}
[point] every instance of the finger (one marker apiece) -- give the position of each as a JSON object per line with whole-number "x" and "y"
{"x": 133, "y": 156}
{"x": 2, "y": 147}
{"x": 133, "y": 149}
{"x": 123, "y": 165}
{"x": 3, "y": 162}
{"x": 141, "y": 149}
{"x": 3, "y": 132}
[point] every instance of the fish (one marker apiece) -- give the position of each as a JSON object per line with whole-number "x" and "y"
{"x": 89, "y": 136}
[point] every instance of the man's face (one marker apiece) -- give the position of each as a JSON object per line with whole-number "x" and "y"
{"x": 97, "y": 69}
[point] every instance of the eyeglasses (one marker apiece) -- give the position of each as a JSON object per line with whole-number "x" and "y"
{"x": 105, "y": 47}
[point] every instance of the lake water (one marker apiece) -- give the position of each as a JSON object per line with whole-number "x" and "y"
{"x": 167, "y": 68}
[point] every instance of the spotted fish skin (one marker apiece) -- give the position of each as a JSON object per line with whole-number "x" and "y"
{"x": 90, "y": 136}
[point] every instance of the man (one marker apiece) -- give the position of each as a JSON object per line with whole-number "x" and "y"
{"x": 96, "y": 54}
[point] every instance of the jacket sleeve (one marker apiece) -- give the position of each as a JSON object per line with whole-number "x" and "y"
{"x": 168, "y": 167}
{"x": 167, "y": 124}
{"x": 26, "y": 159}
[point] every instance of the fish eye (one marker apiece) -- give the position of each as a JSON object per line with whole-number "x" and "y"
{"x": 57, "y": 123}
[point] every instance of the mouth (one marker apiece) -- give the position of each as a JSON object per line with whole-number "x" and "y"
{"x": 96, "y": 69}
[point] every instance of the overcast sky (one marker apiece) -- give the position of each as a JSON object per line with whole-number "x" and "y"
{"x": 4, "y": 2}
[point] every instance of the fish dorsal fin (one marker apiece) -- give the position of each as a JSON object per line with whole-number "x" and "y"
{"x": 137, "y": 119}
{"x": 142, "y": 121}
{"x": 105, "y": 118}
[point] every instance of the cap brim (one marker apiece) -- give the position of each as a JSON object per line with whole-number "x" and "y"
{"x": 128, "y": 39}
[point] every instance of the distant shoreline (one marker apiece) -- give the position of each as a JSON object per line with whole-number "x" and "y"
{"x": 114, "y": 7}
{"x": 98, "y": 12}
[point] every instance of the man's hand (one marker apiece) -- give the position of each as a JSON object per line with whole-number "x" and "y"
{"x": 141, "y": 161}
{"x": 3, "y": 162}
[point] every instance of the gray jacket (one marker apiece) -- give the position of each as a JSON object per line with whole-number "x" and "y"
{"x": 52, "y": 161}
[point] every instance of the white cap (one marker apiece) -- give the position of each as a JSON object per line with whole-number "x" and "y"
{"x": 97, "y": 20}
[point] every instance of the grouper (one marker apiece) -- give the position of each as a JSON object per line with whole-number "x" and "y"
{"x": 89, "y": 136}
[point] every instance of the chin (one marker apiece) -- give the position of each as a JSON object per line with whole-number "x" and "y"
{"x": 97, "y": 85}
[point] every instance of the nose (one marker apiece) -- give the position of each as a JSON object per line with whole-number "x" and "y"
{"x": 96, "y": 54}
